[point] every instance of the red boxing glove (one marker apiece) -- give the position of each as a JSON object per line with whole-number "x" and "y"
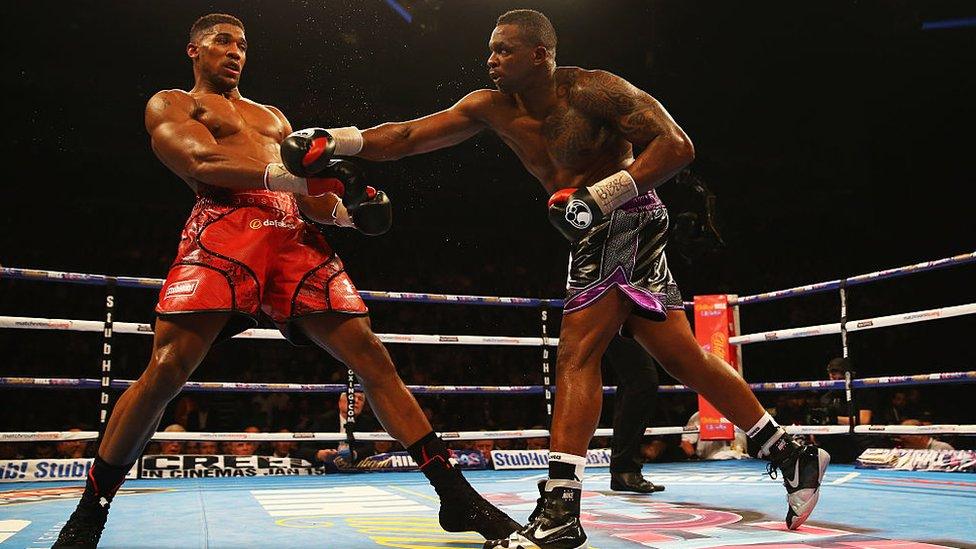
{"x": 277, "y": 178}
{"x": 341, "y": 177}
{"x": 561, "y": 196}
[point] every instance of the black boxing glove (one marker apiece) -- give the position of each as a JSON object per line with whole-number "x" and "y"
{"x": 307, "y": 152}
{"x": 574, "y": 210}
{"x": 374, "y": 216}
{"x": 352, "y": 189}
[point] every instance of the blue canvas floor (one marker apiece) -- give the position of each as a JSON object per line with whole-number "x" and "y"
{"x": 716, "y": 504}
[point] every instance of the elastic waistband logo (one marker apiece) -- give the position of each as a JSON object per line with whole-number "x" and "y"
{"x": 257, "y": 224}
{"x": 183, "y": 287}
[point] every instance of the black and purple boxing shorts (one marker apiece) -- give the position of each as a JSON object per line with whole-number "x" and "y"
{"x": 625, "y": 250}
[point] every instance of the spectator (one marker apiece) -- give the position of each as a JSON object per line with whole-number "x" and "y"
{"x": 693, "y": 446}
{"x": 360, "y": 403}
{"x": 915, "y": 407}
{"x": 537, "y": 443}
{"x": 384, "y": 446}
{"x": 791, "y": 409}
{"x": 268, "y": 408}
{"x": 191, "y": 414}
{"x": 207, "y": 448}
{"x": 283, "y": 448}
{"x": 894, "y": 413}
{"x": 920, "y": 442}
{"x": 172, "y": 447}
{"x": 365, "y": 421}
{"x": 832, "y": 409}
{"x": 72, "y": 449}
{"x": 242, "y": 448}
{"x": 44, "y": 450}
{"x": 485, "y": 446}
{"x": 833, "y": 404}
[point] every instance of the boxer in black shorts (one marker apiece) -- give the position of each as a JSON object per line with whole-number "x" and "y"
{"x": 626, "y": 251}
{"x": 576, "y": 131}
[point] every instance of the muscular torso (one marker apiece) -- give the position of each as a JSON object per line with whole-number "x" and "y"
{"x": 248, "y": 128}
{"x": 570, "y": 146}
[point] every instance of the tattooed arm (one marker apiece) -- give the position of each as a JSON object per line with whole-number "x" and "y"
{"x": 641, "y": 120}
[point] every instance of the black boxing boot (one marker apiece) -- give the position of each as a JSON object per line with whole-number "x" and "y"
{"x": 462, "y": 508}
{"x": 803, "y": 466}
{"x": 84, "y": 527}
{"x": 555, "y": 522}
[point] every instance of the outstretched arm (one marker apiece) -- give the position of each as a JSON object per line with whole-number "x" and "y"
{"x": 640, "y": 119}
{"x": 395, "y": 140}
{"x": 188, "y": 148}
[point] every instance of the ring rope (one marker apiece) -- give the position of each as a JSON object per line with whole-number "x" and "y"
{"x": 264, "y": 333}
{"x": 156, "y": 283}
{"x": 336, "y": 388}
{"x": 55, "y": 436}
{"x": 32, "y": 323}
{"x": 855, "y": 325}
{"x": 369, "y": 295}
{"x": 818, "y": 287}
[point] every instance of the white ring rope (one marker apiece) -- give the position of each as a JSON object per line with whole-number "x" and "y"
{"x": 31, "y": 323}
{"x": 57, "y": 436}
{"x": 856, "y": 325}
{"x": 23, "y": 322}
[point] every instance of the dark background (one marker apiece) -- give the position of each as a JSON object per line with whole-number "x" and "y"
{"x": 837, "y": 137}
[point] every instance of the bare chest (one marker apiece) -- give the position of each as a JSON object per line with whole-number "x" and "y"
{"x": 563, "y": 147}
{"x": 228, "y": 118}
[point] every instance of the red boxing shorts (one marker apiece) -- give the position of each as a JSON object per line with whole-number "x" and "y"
{"x": 250, "y": 252}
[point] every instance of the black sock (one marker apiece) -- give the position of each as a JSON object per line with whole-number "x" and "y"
{"x": 434, "y": 459}
{"x": 564, "y": 466}
{"x": 104, "y": 479}
{"x": 770, "y": 438}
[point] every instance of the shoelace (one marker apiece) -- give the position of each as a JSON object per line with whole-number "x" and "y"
{"x": 790, "y": 454}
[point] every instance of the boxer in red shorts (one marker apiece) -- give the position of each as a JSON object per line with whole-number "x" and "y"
{"x": 252, "y": 251}
{"x": 247, "y": 248}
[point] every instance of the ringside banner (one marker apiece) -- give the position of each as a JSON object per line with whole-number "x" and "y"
{"x": 902, "y": 459}
{"x": 539, "y": 459}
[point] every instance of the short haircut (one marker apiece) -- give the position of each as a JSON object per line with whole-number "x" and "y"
{"x": 536, "y": 27}
{"x": 839, "y": 365}
{"x": 210, "y": 20}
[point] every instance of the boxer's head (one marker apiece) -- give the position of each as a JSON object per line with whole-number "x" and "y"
{"x": 218, "y": 50}
{"x": 523, "y": 50}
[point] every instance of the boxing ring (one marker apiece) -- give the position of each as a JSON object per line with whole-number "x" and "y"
{"x": 707, "y": 504}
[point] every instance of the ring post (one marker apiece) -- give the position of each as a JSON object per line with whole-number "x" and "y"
{"x": 104, "y": 405}
{"x": 546, "y": 376}
{"x": 715, "y": 321}
{"x": 848, "y": 392}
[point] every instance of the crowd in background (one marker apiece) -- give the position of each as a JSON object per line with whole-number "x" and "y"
{"x": 474, "y": 269}
{"x": 317, "y": 412}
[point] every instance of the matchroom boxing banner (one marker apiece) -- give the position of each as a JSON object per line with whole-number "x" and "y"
{"x": 715, "y": 322}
